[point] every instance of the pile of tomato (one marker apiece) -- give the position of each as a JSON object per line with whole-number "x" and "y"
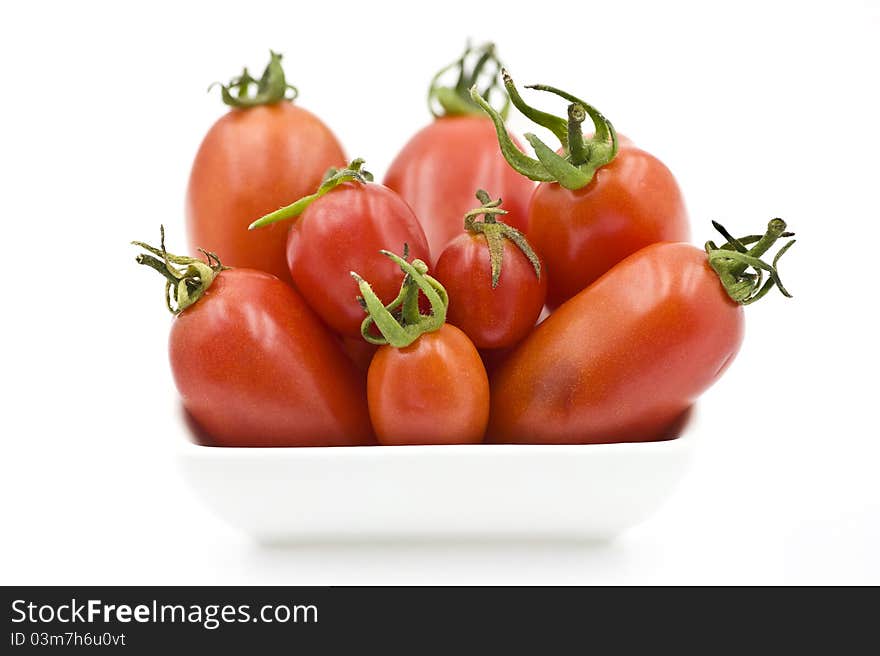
{"x": 479, "y": 295}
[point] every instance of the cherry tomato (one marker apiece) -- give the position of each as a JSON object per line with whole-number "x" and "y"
{"x": 426, "y": 384}
{"x": 445, "y": 399}
{"x": 253, "y": 160}
{"x": 342, "y": 228}
{"x": 625, "y": 357}
{"x": 438, "y": 170}
{"x": 599, "y": 200}
{"x": 255, "y": 367}
{"x": 495, "y": 311}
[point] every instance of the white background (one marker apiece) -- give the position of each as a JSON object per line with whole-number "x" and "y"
{"x": 761, "y": 110}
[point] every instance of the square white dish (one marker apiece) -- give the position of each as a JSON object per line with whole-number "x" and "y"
{"x": 480, "y": 492}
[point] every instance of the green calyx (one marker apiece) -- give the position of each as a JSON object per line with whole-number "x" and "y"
{"x": 580, "y": 158}
{"x": 334, "y": 177}
{"x": 401, "y": 322}
{"x": 271, "y": 88}
{"x": 475, "y": 66}
{"x": 186, "y": 283}
{"x": 496, "y": 232}
{"x": 733, "y": 259}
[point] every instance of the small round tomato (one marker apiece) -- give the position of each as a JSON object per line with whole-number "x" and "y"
{"x": 253, "y": 364}
{"x": 446, "y": 396}
{"x": 262, "y": 154}
{"x": 426, "y": 384}
{"x": 342, "y": 228}
{"x": 493, "y": 278}
{"x": 599, "y": 200}
{"x": 624, "y": 358}
{"x": 439, "y": 168}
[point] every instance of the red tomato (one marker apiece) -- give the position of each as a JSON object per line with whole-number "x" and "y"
{"x": 622, "y": 359}
{"x": 630, "y": 203}
{"x": 252, "y": 161}
{"x": 600, "y": 198}
{"x": 341, "y": 232}
{"x": 426, "y": 384}
{"x": 494, "y": 314}
{"x": 255, "y": 367}
{"x": 253, "y": 364}
{"x": 440, "y": 167}
{"x": 434, "y": 391}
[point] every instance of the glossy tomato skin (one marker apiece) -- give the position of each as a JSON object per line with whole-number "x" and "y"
{"x": 251, "y": 162}
{"x": 342, "y": 232}
{"x": 359, "y": 351}
{"x": 440, "y": 169}
{"x": 434, "y": 391}
{"x": 492, "y": 318}
{"x": 632, "y": 202}
{"x": 255, "y": 367}
{"x": 624, "y": 358}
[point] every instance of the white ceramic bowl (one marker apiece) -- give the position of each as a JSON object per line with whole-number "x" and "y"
{"x": 583, "y": 492}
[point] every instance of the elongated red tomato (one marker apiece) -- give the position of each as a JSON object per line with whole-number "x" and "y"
{"x": 438, "y": 170}
{"x": 255, "y": 367}
{"x": 342, "y": 228}
{"x": 493, "y": 278}
{"x": 630, "y": 203}
{"x": 426, "y": 384}
{"x": 264, "y": 153}
{"x": 599, "y": 200}
{"x": 624, "y": 358}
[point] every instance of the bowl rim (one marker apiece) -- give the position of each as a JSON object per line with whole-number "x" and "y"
{"x": 684, "y": 440}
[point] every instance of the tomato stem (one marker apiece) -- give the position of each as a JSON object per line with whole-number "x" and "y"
{"x": 184, "y": 284}
{"x": 475, "y": 63}
{"x": 334, "y": 177}
{"x": 580, "y": 158}
{"x": 401, "y": 322}
{"x": 496, "y": 232}
{"x": 732, "y": 260}
{"x": 272, "y": 87}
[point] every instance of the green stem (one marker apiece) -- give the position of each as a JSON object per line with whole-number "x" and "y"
{"x": 733, "y": 260}
{"x": 354, "y": 172}
{"x": 455, "y": 100}
{"x": 272, "y": 87}
{"x": 496, "y": 232}
{"x": 578, "y": 151}
{"x": 184, "y": 284}
{"x": 412, "y": 324}
{"x": 580, "y": 158}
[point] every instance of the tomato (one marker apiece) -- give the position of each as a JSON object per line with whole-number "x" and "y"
{"x": 253, "y": 160}
{"x": 599, "y": 200}
{"x": 446, "y": 396}
{"x": 630, "y": 203}
{"x": 255, "y": 367}
{"x": 494, "y": 280}
{"x": 441, "y": 166}
{"x": 426, "y": 384}
{"x": 625, "y": 357}
{"x": 342, "y": 228}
